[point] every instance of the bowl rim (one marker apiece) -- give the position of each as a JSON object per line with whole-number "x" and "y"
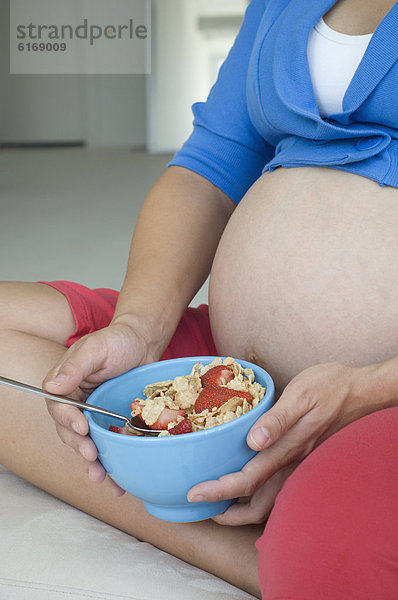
{"x": 269, "y": 391}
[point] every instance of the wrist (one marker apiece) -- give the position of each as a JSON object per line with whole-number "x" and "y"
{"x": 153, "y": 333}
{"x": 377, "y": 384}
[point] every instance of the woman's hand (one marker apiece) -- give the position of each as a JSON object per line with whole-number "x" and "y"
{"x": 92, "y": 360}
{"x": 316, "y": 403}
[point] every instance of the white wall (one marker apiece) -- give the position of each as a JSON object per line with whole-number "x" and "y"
{"x": 32, "y": 105}
{"x": 185, "y": 61}
{"x": 124, "y": 111}
{"x": 115, "y": 115}
{"x": 103, "y": 111}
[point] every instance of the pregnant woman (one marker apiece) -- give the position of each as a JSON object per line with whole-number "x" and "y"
{"x": 287, "y": 192}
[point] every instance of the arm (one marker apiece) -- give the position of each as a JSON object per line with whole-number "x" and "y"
{"x": 315, "y": 405}
{"x": 172, "y": 250}
{"x": 378, "y": 385}
{"x": 171, "y": 254}
{"x": 185, "y": 213}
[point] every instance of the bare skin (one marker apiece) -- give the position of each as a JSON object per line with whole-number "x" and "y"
{"x": 327, "y": 208}
{"x": 357, "y": 17}
{"x": 311, "y": 252}
{"x": 331, "y": 234}
{"x": 31, "y": 448}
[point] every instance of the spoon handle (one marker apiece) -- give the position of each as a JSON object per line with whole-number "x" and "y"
{"x": 63, "y": 399}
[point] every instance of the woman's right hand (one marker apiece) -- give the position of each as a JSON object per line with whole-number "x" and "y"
{"x": 93, "y": 359}
{"x": 163, "y": 274}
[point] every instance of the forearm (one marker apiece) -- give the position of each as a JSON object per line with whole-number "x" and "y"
{"x": 377, "y": 385}
{"x": 172, "y": 250}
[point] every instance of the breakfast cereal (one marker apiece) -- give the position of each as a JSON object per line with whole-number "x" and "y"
{"x": 201, "y": 400}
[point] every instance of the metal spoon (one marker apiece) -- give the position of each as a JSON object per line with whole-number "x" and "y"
{"x": 82, "y": 405}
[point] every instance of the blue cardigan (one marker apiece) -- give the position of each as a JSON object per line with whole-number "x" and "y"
{"x": 262, "y": 113}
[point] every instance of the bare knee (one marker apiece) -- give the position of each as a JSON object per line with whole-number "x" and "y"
{"x": 37, "y": 309}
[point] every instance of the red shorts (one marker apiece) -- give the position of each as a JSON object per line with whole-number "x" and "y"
{"x": 333, "y": 532}
{"x": 94, "y": 309}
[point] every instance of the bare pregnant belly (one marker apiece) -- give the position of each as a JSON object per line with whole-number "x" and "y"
{"x": 307, "y": 272}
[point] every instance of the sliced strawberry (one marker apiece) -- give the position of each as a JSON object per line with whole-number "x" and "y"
{"x": 136, "y": 407}
{"x": 212, "y": 396}
{"x": 115, "y": 429}
{"x": 168, "y": 415}
{"x": 136, "y": 414}
{"x": 184, "y": 426}
{"x": 219, "y": 375}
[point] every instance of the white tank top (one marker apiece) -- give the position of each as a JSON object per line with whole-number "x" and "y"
{"x": 333, "y": 58}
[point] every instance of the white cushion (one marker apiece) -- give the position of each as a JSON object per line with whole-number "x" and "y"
{"x": 50, "y": 550}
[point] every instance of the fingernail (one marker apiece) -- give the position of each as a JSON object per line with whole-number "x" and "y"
{"x": 82, "y": 451}
{"x": 75, "y": 427}
{"x": 260, "y": 437}
{"x": 196, "y": 499}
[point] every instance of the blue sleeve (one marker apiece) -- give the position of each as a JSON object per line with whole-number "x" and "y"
{"x": 224, "y": 147}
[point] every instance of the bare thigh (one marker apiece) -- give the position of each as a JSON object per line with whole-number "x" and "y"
{"x": 30, "y": 447}
{"x": 35, "y": 308}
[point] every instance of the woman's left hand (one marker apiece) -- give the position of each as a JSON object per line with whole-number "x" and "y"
{"x": 314, "y": 405}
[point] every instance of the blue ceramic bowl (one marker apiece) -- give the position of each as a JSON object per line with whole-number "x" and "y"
{"x": 161, "y": 471}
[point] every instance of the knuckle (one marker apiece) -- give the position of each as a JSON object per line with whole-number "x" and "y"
{"x": 298, "y": 388}
{"x": 260, "y": 516}
{"x": 70, "y": 366}
{"x": 255, "y": 514}
{"x": 278, "y": 421}
{"x": 218, "y": 496}
{"x": 51, "y": 374}
{"x": 64, "y": 436}
{"x": 88, "y": 449}
{"x": 96, "y": 472}
{"x": 218, "y": 491}
{"x": 260, "y": 508}
{"x": 250, "y": 487}
{"x": 64, "y": 415}
{"x": 54, "y": 411}
{"x": 88, "y": 344}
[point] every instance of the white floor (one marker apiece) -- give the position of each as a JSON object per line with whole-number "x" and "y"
{"x": 70, "y": 213}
